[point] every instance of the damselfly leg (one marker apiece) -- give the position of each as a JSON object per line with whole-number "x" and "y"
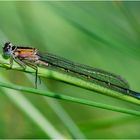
{"x": 33, "y": 66}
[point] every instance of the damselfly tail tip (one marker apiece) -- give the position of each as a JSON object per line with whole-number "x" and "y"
{"x": 134, "y": 94}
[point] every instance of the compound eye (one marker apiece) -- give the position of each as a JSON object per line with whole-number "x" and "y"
{"x": 7, "y": 46}
{"x": 8, "y": 49}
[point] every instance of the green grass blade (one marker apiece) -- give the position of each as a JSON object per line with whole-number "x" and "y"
{"x": 69, "y": 98}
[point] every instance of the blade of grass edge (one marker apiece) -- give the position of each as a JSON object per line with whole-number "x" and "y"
{"x": 69, "y": 98}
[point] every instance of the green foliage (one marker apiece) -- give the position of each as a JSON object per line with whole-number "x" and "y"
{"x": 100, "y": 34}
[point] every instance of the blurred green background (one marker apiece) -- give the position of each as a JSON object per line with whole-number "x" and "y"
{"x": 105, "y": 35}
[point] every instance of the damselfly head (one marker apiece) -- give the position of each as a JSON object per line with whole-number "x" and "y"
{"x": 8, "y": 49}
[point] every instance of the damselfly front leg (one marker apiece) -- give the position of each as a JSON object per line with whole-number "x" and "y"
{"x": 10, "y": 64}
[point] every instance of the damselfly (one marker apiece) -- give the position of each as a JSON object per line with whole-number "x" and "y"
{"x": 28, "y": 56}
